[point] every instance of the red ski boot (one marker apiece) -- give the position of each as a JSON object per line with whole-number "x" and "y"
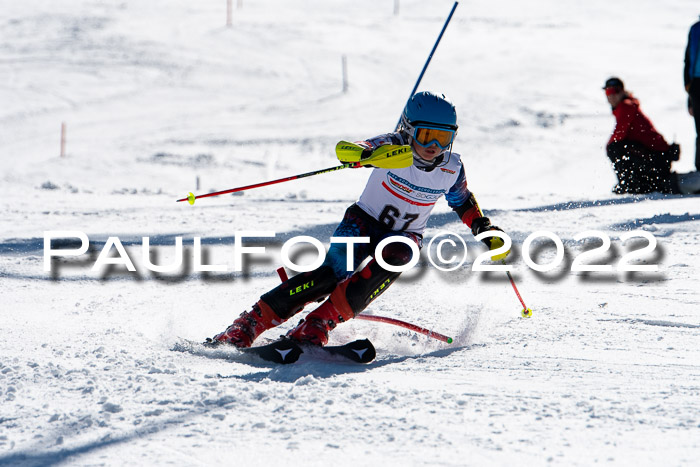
{"x": 249, "y": 325}
{"x": 314, "y": 328}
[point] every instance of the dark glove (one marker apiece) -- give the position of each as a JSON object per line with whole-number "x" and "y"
{"x": 673, "y": 153}
{"x": 691, "y": 110}
{"x": 366, "y": 153}
{"x": 483, "y": 224}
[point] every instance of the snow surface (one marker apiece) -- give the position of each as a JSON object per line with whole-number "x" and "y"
{"x": 158, "y": 94}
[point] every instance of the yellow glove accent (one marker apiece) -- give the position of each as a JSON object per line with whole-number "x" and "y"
{"x": 390, "y": 156}
{"x": 496, "y": 243}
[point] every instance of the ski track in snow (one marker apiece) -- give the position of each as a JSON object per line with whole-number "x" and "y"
{"x": 160, "y": 96}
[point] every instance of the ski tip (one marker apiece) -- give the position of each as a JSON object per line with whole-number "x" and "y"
{"x": 211, "y": 343}
{"x": 364, "y": 351}
{"x": 359, "y": 351}
{"x": 283, "y": 351}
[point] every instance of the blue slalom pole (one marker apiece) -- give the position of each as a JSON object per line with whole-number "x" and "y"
{"x": 427, "y": 62}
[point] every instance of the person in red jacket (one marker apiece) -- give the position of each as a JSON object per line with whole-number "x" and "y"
{"x": 641, "y": 157}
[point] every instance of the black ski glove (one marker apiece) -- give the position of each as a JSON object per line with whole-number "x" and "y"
{"x": 366, "y": 153}
{"x": 483, "y": 224}
{"x": 673, "y": 153}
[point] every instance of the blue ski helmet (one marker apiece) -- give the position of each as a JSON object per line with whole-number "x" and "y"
{"x": 428, "y": 108}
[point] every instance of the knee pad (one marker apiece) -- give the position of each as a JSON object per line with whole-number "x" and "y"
{"x": 291, "y": 296}
{"x": 397, "y": 254}
{"x": 353, "y": 295}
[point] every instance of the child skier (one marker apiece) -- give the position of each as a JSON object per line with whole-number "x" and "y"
{"x": 395, "y": 202}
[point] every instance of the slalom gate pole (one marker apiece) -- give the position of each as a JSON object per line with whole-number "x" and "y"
{"x": 403, "y": 324}
{"x": 382, "y": 319}
{"x": 190, "y": 198}
{"x": 396, "y": 322}
{"x": 427, "y": 62}
{"x": 526, "y": 312}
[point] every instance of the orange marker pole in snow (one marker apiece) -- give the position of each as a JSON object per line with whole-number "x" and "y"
{"x": 63, "y": 139}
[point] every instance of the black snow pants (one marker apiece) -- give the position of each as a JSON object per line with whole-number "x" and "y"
{"x": 695, "y": 99}
{"x": 641, "y": 170}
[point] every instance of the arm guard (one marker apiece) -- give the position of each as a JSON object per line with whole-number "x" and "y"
{"x": 462, "y": 201}
{"x": 469, "y": 212}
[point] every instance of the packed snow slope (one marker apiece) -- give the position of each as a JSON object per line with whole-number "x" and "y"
{"x": 159, "y": 97}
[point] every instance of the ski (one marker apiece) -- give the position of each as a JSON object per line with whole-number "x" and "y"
{"x": 285, "y": 351}
{"x": 359, "y": 351}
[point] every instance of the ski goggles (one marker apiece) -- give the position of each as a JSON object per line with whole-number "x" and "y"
{"x": 426, "y": 137}
{"x": 609, "y": 91}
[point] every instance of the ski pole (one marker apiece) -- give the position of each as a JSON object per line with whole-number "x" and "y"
{"x": 191, "y": 197}
{"x": 526, "y": 312}
{"x": 382, "y": 319}
{"x": 427, "y": 62}
{"x": 391, "y": 156}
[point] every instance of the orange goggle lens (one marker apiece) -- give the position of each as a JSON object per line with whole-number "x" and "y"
{"x": 427, "y": 136}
